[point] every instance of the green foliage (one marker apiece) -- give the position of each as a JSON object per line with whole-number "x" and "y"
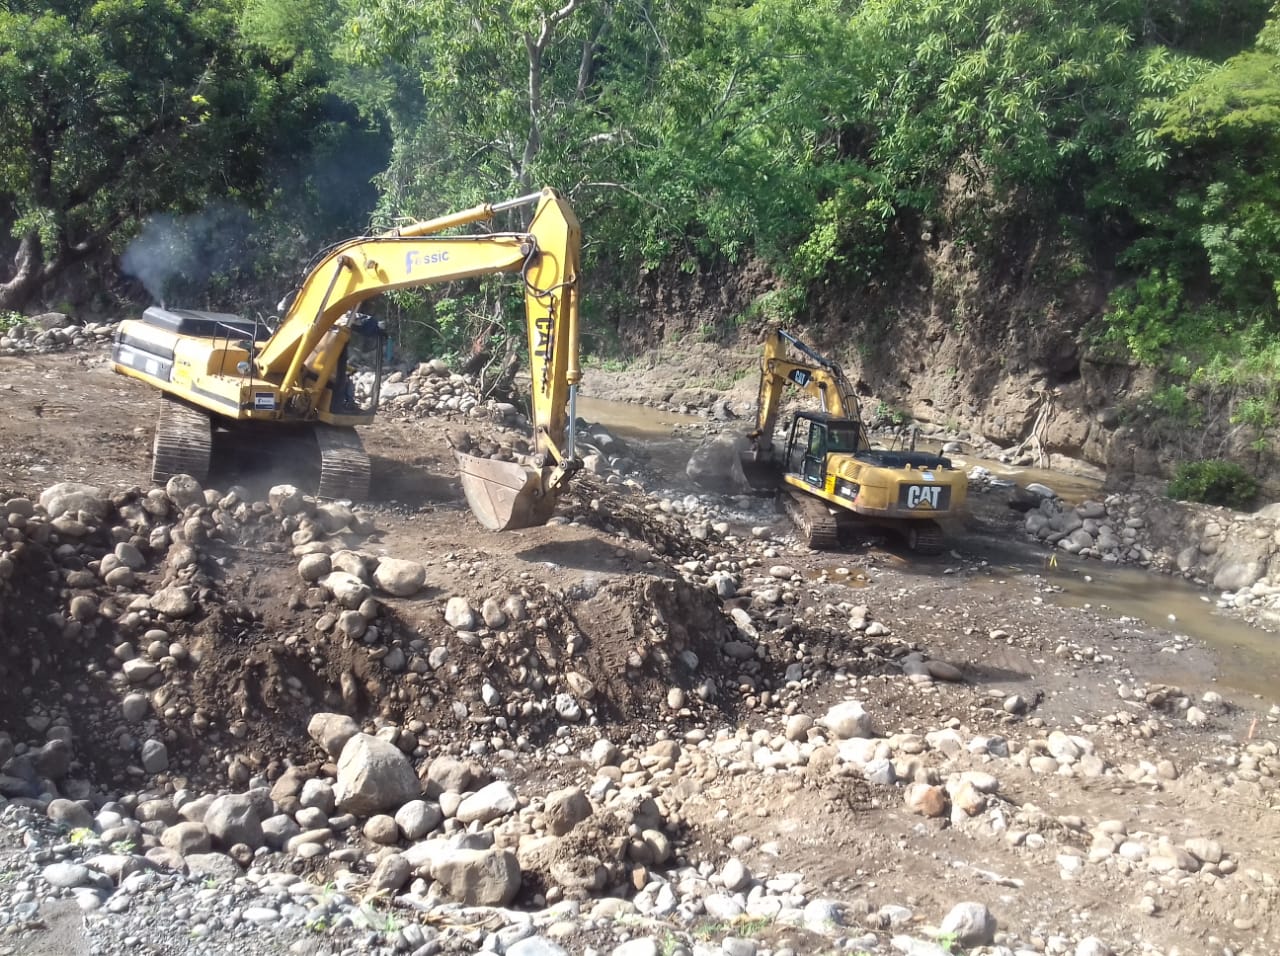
{"x": 777, "y": 307}
{"x": 887, "y": 414}
{"x": 1149, "y": 318}
{"x": 10, "y": 321}
{"x": 1173, "y": 402}
{"x": 1254, "y": 412}
{"x": 1214, "y": 482}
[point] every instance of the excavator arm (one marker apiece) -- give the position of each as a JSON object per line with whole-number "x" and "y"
{"x": 502, "y": 495}
{"x": 303, "y": 351}
{"x": 818, "y": 378}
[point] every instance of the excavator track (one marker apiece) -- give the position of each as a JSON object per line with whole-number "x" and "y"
{"x": 821, "y": 528}
{"x": 925, "y": 537}
{"x": 344, "y": 464}
{"x": 183, "y": 442}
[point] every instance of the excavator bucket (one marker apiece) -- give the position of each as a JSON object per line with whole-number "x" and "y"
{"x": 504, "y": 495}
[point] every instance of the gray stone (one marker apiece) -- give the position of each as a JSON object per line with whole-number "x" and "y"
{"x": 286, "y": 500}
{"x": 67, "y": 875}
{"x": 399, "y": 577}
{"x": 448, "y": 774}
{"x": 70, "y": 814}
{"x": 318, "y": 795}
{"x": 1237, "y": 575}
{"x": 535, "y": 946}
{"x": 417, "y": 818}
{"x": 213, "y": 866}
{"x": 71, "y": 497}
{"x": 155, "y": 756}
{"x": 478, "y": 877}
{"x": 487, "y": 803}
{"x": 278, "y": 830}
{"x": 971, "y": 923}
{"x": 823, "y": 916}
{"x": 374, "y": 776}
{"x": 847, "y": 720}
{"x": 332, "y": 731}
{"x": 139, "y": 671}
{"x": 184, "y": 491}
{"x": 459, "y": 614}
{"x": 234, "y": 818}
{"x": 735, "y": 876}
{"x": 187, "y": 838}
{"x": 175, "y": 602}
{"x": 391, "y": 874}
{"x": 53, "y": 760}
{"x": 565, "y": 809}
{"x": 134, "y": 707}
{"x": 347, "y": 589}
{"x": 1204, "y": 850}
{"x": 1092, "y": 946}
{"x": 313, "y": 567}
{"x": 637, "y": 947}
{"x": 716, "y": 464}
{"x": 492, "y": 613}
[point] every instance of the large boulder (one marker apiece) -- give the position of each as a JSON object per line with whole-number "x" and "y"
{"x": 716, "y": 464}
{"x": 374, "y": 776}
{"x": 478, "y": 877}
{"x": 70, "y": 497}
{"x": 234, "y": 818}
{"x": 399, "y": 577}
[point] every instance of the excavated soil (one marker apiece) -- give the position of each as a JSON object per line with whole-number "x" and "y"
{"x": 259, "y": 668}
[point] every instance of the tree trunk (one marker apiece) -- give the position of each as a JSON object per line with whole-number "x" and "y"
{"x": 17, "y": 291}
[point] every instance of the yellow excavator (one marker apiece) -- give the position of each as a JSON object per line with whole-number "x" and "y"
{"x": 214, "y": 372}
{"x": 826, "y": 474}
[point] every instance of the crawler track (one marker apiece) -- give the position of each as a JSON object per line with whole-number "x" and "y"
{"x": 184, "y": 439}
{"x": 925, "y": 537}
{"x": 821, "y": 528}
{"x": 344, "y": 464}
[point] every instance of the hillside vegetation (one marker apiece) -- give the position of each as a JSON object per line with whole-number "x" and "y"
{"x": 1114, "y": 163}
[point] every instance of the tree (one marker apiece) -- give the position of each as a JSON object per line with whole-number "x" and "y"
{"x": 118, "y": 108}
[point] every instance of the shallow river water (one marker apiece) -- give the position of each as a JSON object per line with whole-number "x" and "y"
{"x": 1250, "y": 656}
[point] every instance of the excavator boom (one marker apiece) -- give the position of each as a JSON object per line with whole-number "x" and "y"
{"x": 212, "y": 369}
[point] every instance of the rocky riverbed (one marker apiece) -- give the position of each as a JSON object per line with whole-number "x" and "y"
{"x": 239, "y": 719}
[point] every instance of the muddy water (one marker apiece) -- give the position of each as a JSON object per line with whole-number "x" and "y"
{"x": 1249, "y": 657}
{"x": 650, "y": 428}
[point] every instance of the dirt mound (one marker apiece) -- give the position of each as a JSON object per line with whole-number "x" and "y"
{"x": 231, "y": 681}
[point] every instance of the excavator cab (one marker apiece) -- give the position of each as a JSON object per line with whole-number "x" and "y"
{"x": 813, "y": 437}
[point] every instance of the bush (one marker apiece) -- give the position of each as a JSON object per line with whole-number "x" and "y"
{"x": 1214, "y": 482}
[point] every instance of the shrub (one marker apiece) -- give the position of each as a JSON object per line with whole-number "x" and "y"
{"x": 1214, "y": 482}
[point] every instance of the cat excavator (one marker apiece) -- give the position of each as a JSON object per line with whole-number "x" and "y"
{"x": 220, "y": 371}
{"x": 826, "y": 474}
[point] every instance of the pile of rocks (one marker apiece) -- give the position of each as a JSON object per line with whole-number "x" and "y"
{"x": 53, "y": 332}
{"x": 430, "y": 390}
{"x": 431, "y": 860}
